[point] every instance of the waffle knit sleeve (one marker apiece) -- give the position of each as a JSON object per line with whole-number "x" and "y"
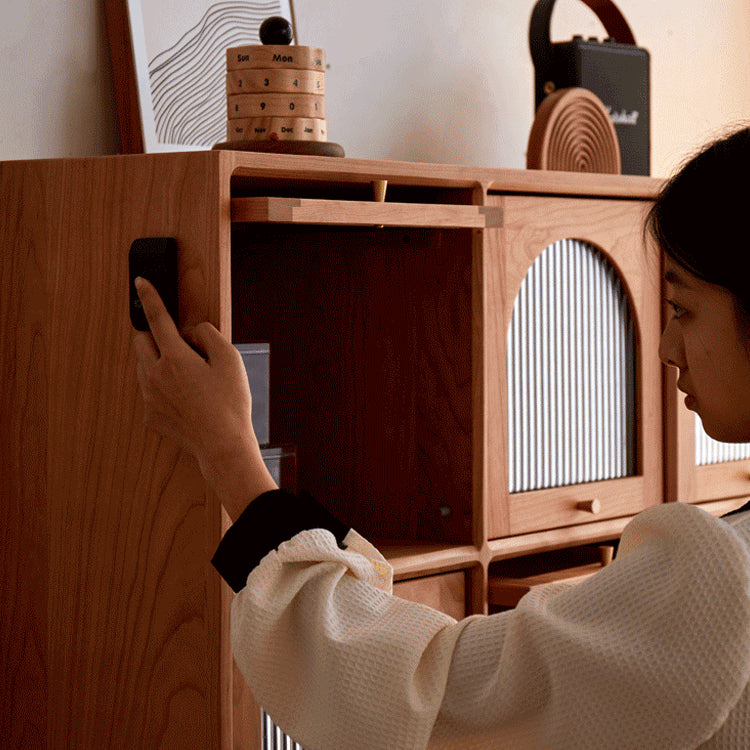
{"x": 653, "y": 651}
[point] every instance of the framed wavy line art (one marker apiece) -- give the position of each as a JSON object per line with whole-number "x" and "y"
{"x": 169, "y": 65}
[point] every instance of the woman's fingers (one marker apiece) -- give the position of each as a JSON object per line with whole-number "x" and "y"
{"x": 160, "y": 322}
{"x": 145, "y": 347}
{"x": 214, "y": 346}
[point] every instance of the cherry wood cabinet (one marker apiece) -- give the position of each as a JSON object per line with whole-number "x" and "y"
{"x": 388, "y": 325}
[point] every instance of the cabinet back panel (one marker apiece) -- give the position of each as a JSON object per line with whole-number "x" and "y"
{"x": 370, "y": 333}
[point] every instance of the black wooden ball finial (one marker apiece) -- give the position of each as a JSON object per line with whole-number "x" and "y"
{"x": 275, "y": 30}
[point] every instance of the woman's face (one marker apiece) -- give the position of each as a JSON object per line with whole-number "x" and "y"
{"x": 705, "y": 341}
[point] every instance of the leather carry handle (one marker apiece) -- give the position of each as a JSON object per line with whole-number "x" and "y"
{"x": 539, "y": 31}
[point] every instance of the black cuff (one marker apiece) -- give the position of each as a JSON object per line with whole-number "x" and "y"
{"x": 272, "y": 518}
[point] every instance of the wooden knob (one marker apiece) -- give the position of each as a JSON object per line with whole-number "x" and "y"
{"x": 590, "y": 506}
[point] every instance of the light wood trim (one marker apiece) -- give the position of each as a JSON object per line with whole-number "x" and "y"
{"x": 507, "y": 592}
{"x": 722, "y": 507}
{"x": 723, "y": 480}
{"x": 421, "y": 560}
{"x": 490, "y": 393}
{"x": 246, "y": 165}
{"x": 361, "y": 213}
{"x": 552, "y": 539}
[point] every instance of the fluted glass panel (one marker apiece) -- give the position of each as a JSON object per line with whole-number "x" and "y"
{"x": 710, "y": 451}
{"x": 274, "y": 738}
{"x": 571, "y": 373}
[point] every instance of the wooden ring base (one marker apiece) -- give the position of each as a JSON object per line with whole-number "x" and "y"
{"x": 307, "y": 148}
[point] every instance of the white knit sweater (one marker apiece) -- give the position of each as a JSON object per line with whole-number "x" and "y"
{"x": 652, "y": 652}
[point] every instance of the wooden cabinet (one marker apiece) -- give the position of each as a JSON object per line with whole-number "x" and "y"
{"x": 388, "y": 325}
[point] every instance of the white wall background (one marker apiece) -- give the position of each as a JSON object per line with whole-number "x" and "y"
{"x": 424, "y": 80}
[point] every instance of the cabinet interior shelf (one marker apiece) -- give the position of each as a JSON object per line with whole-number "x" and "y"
{"x": 362, "y": 213}
{"x": 507, "y": 592}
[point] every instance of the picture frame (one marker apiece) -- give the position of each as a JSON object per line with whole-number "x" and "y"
{"x": 169, "y": 67}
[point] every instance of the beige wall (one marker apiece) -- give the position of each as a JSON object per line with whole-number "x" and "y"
{"x": 408, "y": 79}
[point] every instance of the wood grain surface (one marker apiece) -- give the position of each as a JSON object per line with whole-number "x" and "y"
{"x": 115, "y": 612}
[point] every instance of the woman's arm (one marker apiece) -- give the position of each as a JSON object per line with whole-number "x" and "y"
{"x": 201, "y": 401}
{"x": 651, "y": 652}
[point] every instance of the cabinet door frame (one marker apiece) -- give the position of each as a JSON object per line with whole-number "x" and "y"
{"x": 532, "y": 223}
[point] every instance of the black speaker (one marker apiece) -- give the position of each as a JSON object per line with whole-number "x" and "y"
{"x": 616, "y": 70}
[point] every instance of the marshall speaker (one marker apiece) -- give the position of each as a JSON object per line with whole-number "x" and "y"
{"x": 616, "y": 70}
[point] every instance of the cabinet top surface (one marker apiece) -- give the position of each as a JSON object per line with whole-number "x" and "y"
{"x": 241, "y": 166}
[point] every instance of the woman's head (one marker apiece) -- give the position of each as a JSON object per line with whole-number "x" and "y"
{"x": 700, "y": 218}
{"x": 699, "y": 221}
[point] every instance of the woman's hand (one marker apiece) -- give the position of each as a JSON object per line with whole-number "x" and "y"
{"x": 203, "y": 403}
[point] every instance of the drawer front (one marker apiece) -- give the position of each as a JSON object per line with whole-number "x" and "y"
{"x": 445, "y": 592}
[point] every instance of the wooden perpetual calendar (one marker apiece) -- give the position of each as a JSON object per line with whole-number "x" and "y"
{"x": 276, "y": 95}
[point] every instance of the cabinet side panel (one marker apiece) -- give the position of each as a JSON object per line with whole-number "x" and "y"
{"x": 135, "y": 611}
{"x": 24, "y": 343}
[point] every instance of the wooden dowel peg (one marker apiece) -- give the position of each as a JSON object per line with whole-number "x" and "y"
{"x": 606, "y": 553}
{"x": 378, "y": 190}
{"x": 589, "y": 506}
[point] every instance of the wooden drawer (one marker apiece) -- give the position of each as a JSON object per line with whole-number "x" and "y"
{"x": 510, "y": 580}
{"x": 445, "y": 592}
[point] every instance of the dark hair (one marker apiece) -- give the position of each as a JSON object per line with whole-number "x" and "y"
{"x": 700, "y": 217}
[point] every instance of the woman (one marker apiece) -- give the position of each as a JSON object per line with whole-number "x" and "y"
{"x": 653, "y": 652}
